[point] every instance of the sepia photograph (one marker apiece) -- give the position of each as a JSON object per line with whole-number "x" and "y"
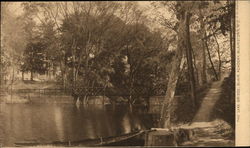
{"x": 118, "y": 73}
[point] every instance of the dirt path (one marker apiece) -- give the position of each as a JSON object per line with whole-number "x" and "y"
{"x": 208, "y": 132}
{"x": 204, "y": 113}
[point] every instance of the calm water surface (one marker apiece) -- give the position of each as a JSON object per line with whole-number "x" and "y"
{"x": 65, "y": 122}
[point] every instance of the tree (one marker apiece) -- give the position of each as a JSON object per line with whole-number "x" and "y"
{"x": 231, "y": 12}
{"x": 222, "y": 22}
{"x": 203, "y": 31}
{"x": 89, "y": 34}
{"x": 13, "y": 41}
{"x": 34, "y": 59}
{"x": 176, "y": 67}
{"x": 135, "y": 67}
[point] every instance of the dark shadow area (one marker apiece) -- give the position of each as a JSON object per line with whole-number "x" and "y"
{"x": 225, "y": 106}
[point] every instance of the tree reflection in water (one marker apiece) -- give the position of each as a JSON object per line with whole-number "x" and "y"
{"x": 64, "y": 122}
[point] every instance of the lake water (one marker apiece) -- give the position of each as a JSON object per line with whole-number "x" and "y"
{"x": 46, "y": 123}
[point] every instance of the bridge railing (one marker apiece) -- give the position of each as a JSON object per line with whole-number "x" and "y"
{"x": 38, "y": 91}
{"x": 91, "y": 91}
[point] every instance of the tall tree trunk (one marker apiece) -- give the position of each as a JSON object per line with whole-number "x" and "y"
{"x": 31, "y": 75}
{"x": 232, "y": 35}
{"x": 22, "y": 76}
{"x": 50, "y": 70}
{"x": 74, "y": 64}
{"x": 47, "y": 68}
{"x": 86, "y": 67}
{"x": 63, "y": 72}
{"x": 74, "y": 71}
{"x": 131, "y": 79}
{"x": 13, "y": 75}
{"x": 177, "y": 64}
{"x": 195, "y": 69}
{"x": 219, "y": 56}
{"x": 12, "y": 80}
{"x": 190, "y": 60}
{"x": 1, "y": 67}
{"x": 210, "y": 59}
{"x": 204, "y": 66}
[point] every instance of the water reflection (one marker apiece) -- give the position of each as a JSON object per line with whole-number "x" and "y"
{"x": 64, "y": 122}
{"x": 130, "y": 123}
{"x": 59, "y": 122}
{"x": 126, "y": 124}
